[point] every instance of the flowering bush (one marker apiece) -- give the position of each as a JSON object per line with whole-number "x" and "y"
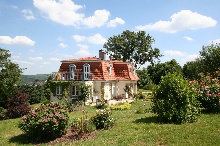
{"x": 209, "y": 92}
{"x": 103, "y": 119}
{"x": 123, "y": 106}
{"x": 174, "y": 100}
{"x": 45, "y": 122}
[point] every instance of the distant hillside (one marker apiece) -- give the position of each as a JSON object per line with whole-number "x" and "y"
{"x": 25, "y": 79}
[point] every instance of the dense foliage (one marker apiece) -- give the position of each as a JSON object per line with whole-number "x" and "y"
{"x": 10, "y": 74}
{"x": 174, "y": 100}
{"x": 103, "y": 119}
{"x": 135, "y": 47}
{"x": 209, "y": 92}
{"x": 36, "y": 92}
{"x": 206, "y": 63}
{"x": 45, "y": 122}
{"x": 161, "y": 69}
{"x": 192, "y": 69}
{"x": 17, "y": 105}
{"x": 209, "y": 57}
{"x": 144, "y": 81}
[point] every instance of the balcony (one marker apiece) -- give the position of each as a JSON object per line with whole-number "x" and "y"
{"x": 69, "y": 76}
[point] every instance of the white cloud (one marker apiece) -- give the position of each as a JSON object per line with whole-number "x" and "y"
{"x": 55, "y": 59}
{"x": 22, "y": 62}
{"x": 31, "y": 50}
{"x": 14, "y": 7}
{"x": 114, "y": 22}
{"x": 182, "y": 20}
{"x": 191, "y": 57}
{"x": 99, "y": 18}
{"x": 63, "y": 11}
{"x": 36, "y": 58}
{"x": 79, "y": 38}
{"x": 174, "y": 53}
{"x": 46, "y": 63}
{"x": 60, "y": 39}
{"x": 97, "y": 39}
{"x": 28, "y": 14}
{"x": 63, "y": 45}
{"x": 188, "y": 38}
{"x": 15, "y": 57}
{"x": 83, "y": 50}
{"x": 17, "y": 40}
{"x": 217, "y": 41}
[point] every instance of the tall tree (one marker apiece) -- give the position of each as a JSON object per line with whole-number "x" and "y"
{"x": 192, "y": 69}
{"x": 145, "y": 78}
{"x": 210, "y": 58}
{"x": 161, "y": 69}
{"x": 135, "y": 47}
{"x": 10, "y": 74}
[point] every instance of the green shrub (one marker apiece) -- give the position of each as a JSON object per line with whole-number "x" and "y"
{"x": 209, "y": 92}
{"x": 142, "y": 109}
{"x": 174, "y": 100}
{"x": 17, "y": 105}
{"x": 103, "y": 119}
{"x": 82, "y": 125}
{"x": 45, "y": 122}
{"x": 101, "y": 105}
{"x": 123, "y": 106}
{"x": 2, "y": 113}
{"x": 36, "y": 93}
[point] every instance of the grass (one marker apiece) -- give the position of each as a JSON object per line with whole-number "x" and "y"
{"x": 133, "y": 129}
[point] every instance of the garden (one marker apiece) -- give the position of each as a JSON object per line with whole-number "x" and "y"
{"x": 179, "y": 112}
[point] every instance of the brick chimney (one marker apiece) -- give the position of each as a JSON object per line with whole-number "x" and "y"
{"x": 102, "y": 54}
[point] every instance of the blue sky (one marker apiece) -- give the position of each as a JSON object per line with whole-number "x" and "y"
{"x": 40, "y": 33}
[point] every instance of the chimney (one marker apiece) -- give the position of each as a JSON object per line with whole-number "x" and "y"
{"x": 102, "y": 54}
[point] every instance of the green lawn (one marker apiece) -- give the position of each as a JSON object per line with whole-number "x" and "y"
{"x": 133, "y": 129}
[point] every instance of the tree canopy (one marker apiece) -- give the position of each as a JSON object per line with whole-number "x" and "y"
{"x": 210, "y": 58}
{"x": 10, "y": 74}
{"x": 135, "y": 47}
{"x": 161, "y": 69}
{"x": 207, "y": 62}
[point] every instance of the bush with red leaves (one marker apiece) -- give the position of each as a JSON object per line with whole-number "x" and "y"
{"x": 17, "y": 105}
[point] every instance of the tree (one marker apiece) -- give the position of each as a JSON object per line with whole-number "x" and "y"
{"x": 207, "y": 63}
{"x": 135, "y": 47}
{"x": 209, "y": 57}
{"x": 192, "y": 69}
{"x": 161, "y": 69}
{"x": 10, "y": 75}
{"x": 145, "y": 79}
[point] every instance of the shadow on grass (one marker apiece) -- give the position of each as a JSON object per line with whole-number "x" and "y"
{"x": 147, "y": 120}
{"x": 154, "y": 119}
{"x": 25, "y": 139}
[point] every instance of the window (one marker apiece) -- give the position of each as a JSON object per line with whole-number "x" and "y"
{"x": 72, "y": 69}
{"x": 86, "y": 71}
{"x": 75, "y": 90}
{"x": 133, "y": 70}
{"x": 109, "y": 70}
{"x": 58, "y": 90}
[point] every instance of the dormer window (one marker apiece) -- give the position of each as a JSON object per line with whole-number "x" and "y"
{"x": 109, "y": 69}
{"x": 72, "y": 69}
{"x": 133, "y": 70}
{"x": 86, "y": 71}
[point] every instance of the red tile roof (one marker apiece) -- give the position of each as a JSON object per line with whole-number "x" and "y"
{"x": 119, "y": 70}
